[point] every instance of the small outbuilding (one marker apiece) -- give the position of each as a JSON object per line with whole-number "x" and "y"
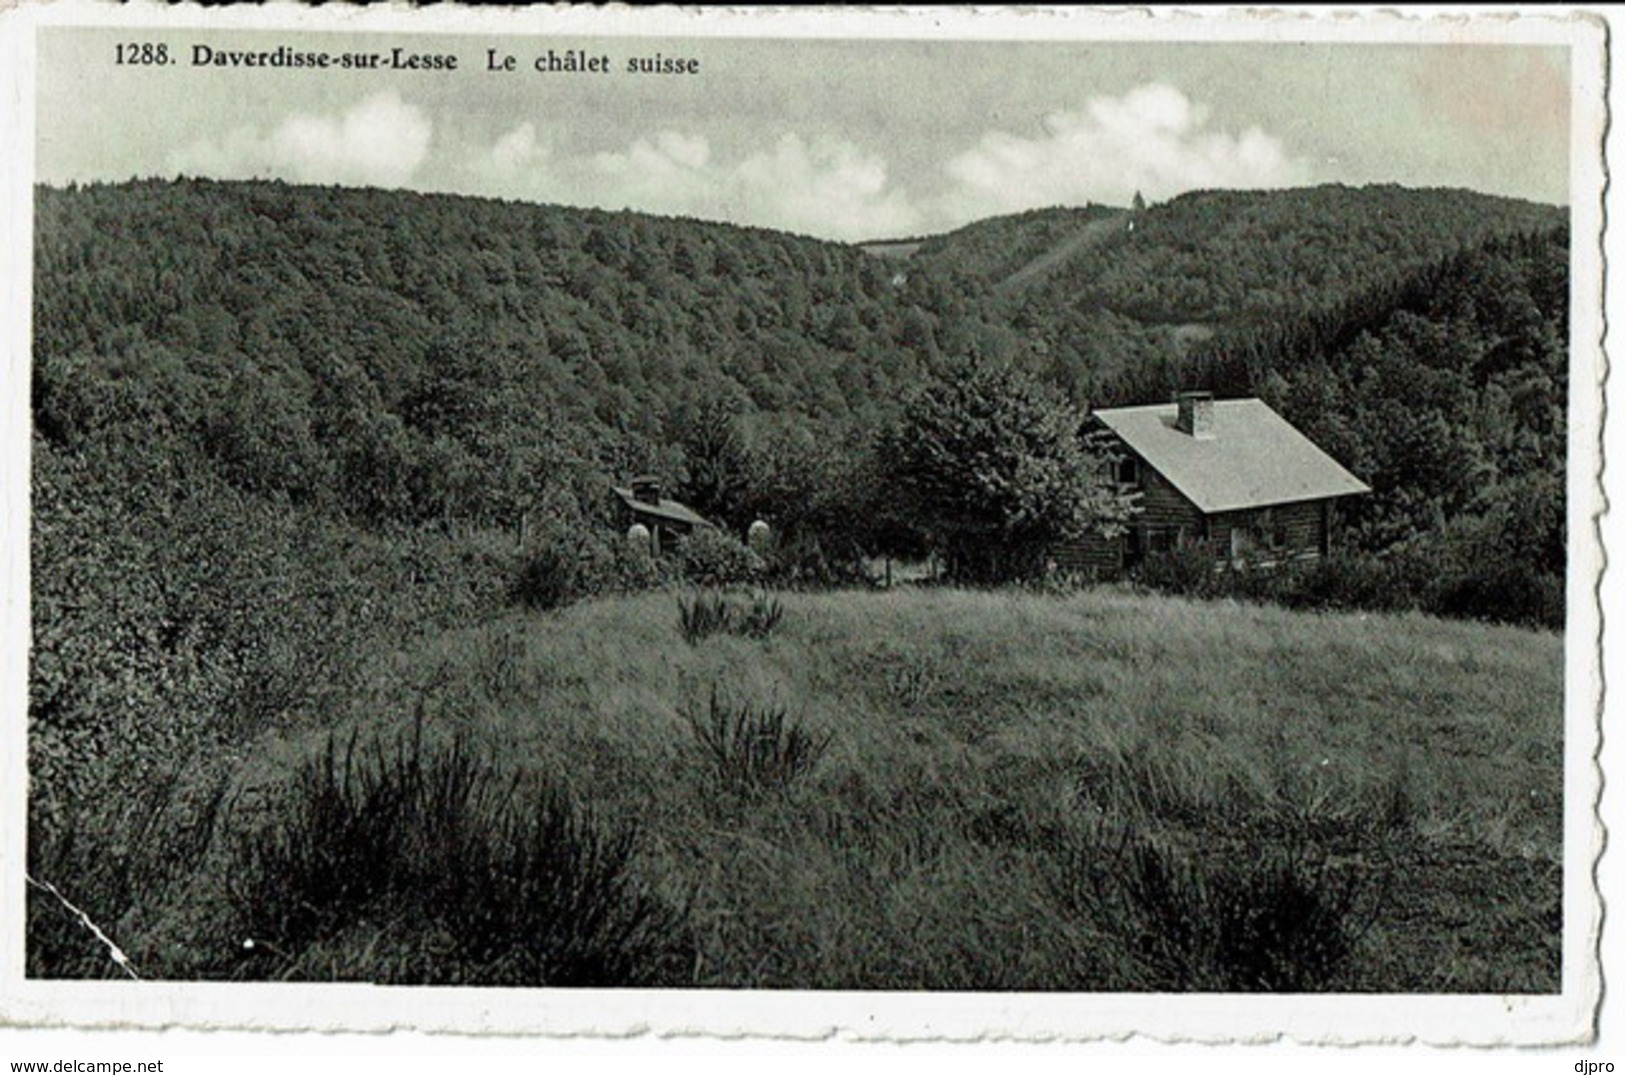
{"x": 643, "y": 504}
{"x": 1231, "y": 477}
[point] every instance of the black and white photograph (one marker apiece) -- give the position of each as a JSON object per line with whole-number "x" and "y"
{"x": 739, "y": 520}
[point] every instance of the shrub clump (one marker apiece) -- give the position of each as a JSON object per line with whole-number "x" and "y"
{"x": 1262, "y": 918}
{"x": 712, "y": 557}
{"x": 115, "y": 858}
{"x": 553, "y": 572}
{"x": 563, "y": 564}
{"x": 702, "y": 616}
{"x": 410, "y": 863}
{"x": 1502, "y": 595}
{"x": 761, "y": 617}
{"x": 752, "y": 750}
{"x": 1186, "y": 571}
{"x": 1436, "y": 581}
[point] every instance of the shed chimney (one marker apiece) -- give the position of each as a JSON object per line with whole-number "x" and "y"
{"x": 646, "y": 488}
{"x": 1196, "y": 415}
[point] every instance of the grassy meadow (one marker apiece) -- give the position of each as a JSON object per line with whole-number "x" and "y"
{"x": 915, "y": 789}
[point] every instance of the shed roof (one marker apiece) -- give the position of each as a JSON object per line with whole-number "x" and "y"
{"x": 665, "y": 508}
{"x": 1255, "y": 457}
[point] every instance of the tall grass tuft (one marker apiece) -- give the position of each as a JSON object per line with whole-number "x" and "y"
{"x": 500, "y": 657}
{"x": 410, "y": 862}
{"x": 762, "y": 617}
{"x": 703, "y": 615}
{"x": 752, "y": 750}
{"x": 1163, "y": 786}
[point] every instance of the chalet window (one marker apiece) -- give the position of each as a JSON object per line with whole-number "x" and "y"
{"x": 1263, "y": 532}
{"x": 1128, "y": 471}
{"x": 1243, "y": 542}
{"x": 1272, "y": 531}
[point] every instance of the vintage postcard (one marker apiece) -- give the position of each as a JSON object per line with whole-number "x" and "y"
{"x": 912, "y": 525}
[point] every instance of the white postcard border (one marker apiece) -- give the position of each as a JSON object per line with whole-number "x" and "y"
{"x": 1567, "y": 1017}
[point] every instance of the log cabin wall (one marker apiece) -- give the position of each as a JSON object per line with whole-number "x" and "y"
{"x": 1164, "y": 509}
{"x": 1093, "y": 555}
{"x": 1167, "y": 520}
{"x": 1263, "y": 537}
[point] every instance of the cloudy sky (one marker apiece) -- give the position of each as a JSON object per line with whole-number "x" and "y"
{"x": 844, "y": 140}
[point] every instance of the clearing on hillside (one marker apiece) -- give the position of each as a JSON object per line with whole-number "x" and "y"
{"x": 945, "y": 789}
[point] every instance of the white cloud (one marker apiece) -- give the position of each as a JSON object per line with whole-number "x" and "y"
{"x": 829, "y": 188}
{"x": 668, "y": 173}
{"x": 380, "y": 141}
{"x": 504, "y": 167}
{"x": 1152, "y": 139}
{"x": 823, "y": 187}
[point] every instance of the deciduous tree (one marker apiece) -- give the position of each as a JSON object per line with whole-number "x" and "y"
{"x": 993, "y": 467}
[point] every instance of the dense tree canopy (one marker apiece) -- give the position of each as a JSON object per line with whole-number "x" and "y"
{"x": 993, "y": 467}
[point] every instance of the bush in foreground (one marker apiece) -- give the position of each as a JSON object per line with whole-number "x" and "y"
{"x": 1259, "y": 919}
{"x": 414, "y": 863}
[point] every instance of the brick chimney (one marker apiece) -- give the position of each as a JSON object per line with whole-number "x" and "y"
{"x": 1196, "y": 415}
{"x": 646, "y": 488}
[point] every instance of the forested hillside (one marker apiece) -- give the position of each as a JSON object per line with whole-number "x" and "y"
{"x": 1168, "y": 277}
{"x": 274, "y": 422}
{"x": 406, "y": 313}
{"x": 398, "y": 356}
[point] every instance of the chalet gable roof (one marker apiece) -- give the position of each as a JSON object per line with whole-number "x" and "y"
{"x": 665, "y": 509}
{"x": 1255, "y": 458}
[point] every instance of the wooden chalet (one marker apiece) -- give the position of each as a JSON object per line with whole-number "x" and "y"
{"x": 643, "y": 504}
{"x": 1228, "y": 476}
